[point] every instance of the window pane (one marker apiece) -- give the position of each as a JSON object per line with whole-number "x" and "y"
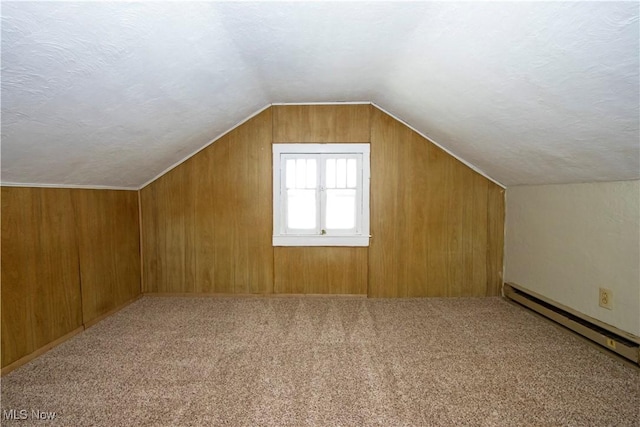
{"x": 301, "y": 209}
{"x": 330, "y": 178}
{"x": 341, "y": 209}
{"x": 341, "y": 169}
{"x": 290, "y": 173}
{"x": 301, "y": 173}
{"x": 311, "y": 173}
{"x": 352, "y": 173}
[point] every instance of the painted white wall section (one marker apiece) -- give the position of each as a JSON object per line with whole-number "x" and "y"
{"x": 566, "y": 241}
{"x": 112, "y": 94}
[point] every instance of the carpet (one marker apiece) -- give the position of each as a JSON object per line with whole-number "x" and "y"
{"x": 296, "y": 361}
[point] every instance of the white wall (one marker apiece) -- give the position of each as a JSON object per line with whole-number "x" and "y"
{"x": 565, "y": 241}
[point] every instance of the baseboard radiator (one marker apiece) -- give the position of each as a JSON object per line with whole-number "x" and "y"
{"x": 618, "y": 341}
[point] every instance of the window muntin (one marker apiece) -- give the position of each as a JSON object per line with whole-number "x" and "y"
{"x": 321, "y": 194}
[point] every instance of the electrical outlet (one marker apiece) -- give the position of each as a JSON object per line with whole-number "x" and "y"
{"x": 606, "y": 298}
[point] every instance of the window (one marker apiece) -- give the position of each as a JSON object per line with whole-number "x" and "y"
{"x": 321, "y": 194}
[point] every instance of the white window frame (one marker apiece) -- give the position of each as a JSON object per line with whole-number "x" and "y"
{"x": 358, "y": 237}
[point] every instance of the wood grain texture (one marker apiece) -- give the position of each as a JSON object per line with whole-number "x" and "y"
{"x": 68, "y": 256}
{"x": 169, "y": 232}
{"x": 207, "y": 223}
{"x": 18, "y": 275}
{"x": 321, "y": 123}
{"x": 320, "y": 270}
{"x": 436, "y": 224}
{"x": 434, "y": 229}
{"x": 385, "y": 213}
{"x": 41, "y": 299}
{"x": 250, "y": 163}
{"x": 478, "y": 283}
{"x": 109, "y": 251}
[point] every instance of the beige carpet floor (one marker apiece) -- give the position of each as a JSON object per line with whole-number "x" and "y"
{"x": 325, "y": 362}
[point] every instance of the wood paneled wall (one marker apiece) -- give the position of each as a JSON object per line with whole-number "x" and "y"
{"x": 41, "y": 298}
{"x": 436, "y": 224}
{"x": 320, "y": 270}
{"x": 321, "y": 124}
{"x": 68, "y": 256}
{"x": 207, "y": 223}
{"x": 108, "y": 249}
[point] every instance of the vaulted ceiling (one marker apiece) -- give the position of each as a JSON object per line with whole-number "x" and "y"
{"x": 111, "y": 94}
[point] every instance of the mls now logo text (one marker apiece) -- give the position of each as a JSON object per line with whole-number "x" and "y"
{"x": 23, "y": 414}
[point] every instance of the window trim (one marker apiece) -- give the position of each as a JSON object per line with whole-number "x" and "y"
{"x": 361, "y": 236}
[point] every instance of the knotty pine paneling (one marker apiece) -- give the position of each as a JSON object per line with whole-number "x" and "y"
{"x": 436, "y": 224}
{"x": 109, "y": 249}
{"x": 321, "y": 123}
{"x": 68, "y": 256}
{"x": 321, "y": 270}
{"x": 206, "y": 224}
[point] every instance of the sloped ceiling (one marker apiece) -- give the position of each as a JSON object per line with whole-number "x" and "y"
{"x": 111, "y": 94}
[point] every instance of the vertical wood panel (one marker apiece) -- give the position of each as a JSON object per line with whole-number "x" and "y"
{"x": 321, "y": 123}
{"x": 205, "y": 242}
{"x": 468, "y": 285}
{"x": 150, "y": 238}
{"x": 40, "y": 270}
{"x": 415, "y": 157}
{"x": 250, "y": 165}
{"x": 438, "y": 187}
{"x": 480, "y": 244}
{"x": 18, "y": 272}
{"x": 241, "y": 207}
{"x": 109, "y": 251}
{"x": 434, "y": 233}
{"x": 223, "y": 216}
{"x": 456, "y": 197}
{"x": 169, "y": 232}
{"x": 258, "y": 200}
{"x": 383, "y": 262}
{"x": 251, "y": 211}
{"x": 56, "y": 298}
{"x": 320, "y": 270}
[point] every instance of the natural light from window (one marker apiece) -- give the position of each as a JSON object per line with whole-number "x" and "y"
{"x": 301, "y": 194}
{"x": 321, "y": 194}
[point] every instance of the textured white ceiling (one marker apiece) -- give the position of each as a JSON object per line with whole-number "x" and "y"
{"x": 111, "y": 94}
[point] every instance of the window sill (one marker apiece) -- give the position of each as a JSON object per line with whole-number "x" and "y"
{"x": 320, "y": 241}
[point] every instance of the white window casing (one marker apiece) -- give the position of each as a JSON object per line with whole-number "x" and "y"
{"x": 321, "y": 194}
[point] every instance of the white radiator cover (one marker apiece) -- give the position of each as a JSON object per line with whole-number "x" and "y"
{"x": 566, "y": 241}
